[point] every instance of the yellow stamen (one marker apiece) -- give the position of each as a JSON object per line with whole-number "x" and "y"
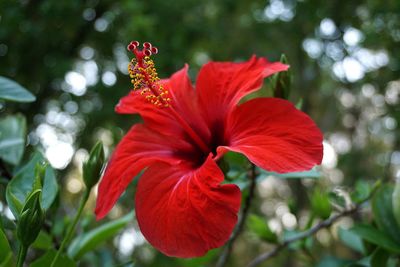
{"x": 145, "y": 78}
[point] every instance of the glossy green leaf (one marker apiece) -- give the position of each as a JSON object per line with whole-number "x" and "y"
{"x": 90, "y": 240}
{"x": 6, "y": 223}
{"x": 320, "y": 204}
{"x": 6, "y": 255}
{"x": 12, "y": 138}
{"x": 375, "y": 236}
{"x": 46, "y": 260}
{"x": 314, "y": 173}
{"x": 259, "y": 226}
{"x": 14, "y": 203}
{"x": 351, "y": 240}
{"x": 330, "y": 261}
{"x": 362, "y": 191}
{"x": 382, "y": 208}
{"x": 12, "y": 91}
{"x": 43, "y": 241}
{"x": 21, "y": 185}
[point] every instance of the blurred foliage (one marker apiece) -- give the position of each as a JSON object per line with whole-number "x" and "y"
{"x": 71, "y": 55}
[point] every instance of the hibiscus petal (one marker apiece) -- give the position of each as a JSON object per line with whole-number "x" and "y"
{"x": 182, "y": 97}
{"x": 185, "y": 212}
{"x": 139, "y": 148}
{"x": 220, "y": 85}
{"x": 274, "y": 135}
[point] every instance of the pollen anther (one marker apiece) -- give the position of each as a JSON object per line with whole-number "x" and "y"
{"x": 144, "y": 76}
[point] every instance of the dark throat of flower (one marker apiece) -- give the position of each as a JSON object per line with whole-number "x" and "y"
{"x": 145, "y": 79}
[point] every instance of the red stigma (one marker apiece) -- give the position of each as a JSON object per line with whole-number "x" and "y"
{"x": 154, "y": 50}
{"x": 147, "y": 51}
{"x": 147, "y": 45}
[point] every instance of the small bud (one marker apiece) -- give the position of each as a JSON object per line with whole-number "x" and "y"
{"x": 93, "y": 166}
{"x": 31, "y": 219}
{"x": 282, "y": 81}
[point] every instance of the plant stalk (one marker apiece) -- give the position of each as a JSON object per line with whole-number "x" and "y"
{"x": 71, "y": 228}
{"x": 21, "y": 255}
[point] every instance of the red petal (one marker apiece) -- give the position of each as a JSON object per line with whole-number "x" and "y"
{"x": 274, "y": 135}
{"x": 183, "y": 100}
{"x": 220, "y": 85}
{"x": 185, "y": 212}
{"x": 139, "y": 148}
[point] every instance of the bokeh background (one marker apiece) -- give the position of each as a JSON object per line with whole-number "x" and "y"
{"x": 345, "y": 63}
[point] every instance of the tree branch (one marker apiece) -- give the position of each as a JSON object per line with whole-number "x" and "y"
{"x": 229, "y": 246}
{"x": 324, "y": 224}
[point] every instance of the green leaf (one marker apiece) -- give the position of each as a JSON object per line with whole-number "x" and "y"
{"x": 376, "y": 237}
{"x": 314, "y": 173}
{"x": 299, "y": 104}
{"x": 12, "y": 91}
{"x": 382, "y": 208}
{"x": 21, "y": 185}
{"x": 12, "y": 138}
{"x": 8, "y": 261}
{"x": 7, "y": 223}
{"x": 330, "y": 261}
{"x": 46, "y": 260}
{"x": 362, "y": 191}
{"x": 14, "y": 203}
{"x": 320, "y": 204}
{"x": 258, "y": 226}
{"x": 351, "y": 240}
{"x": 195, "y": 262}
{"x": 43, "y": 241}
{"x": 6, "y": 255}
{"x": 396, "y": 202}
{"x": 90, "y": 240}
{"x": 379, "y": 258}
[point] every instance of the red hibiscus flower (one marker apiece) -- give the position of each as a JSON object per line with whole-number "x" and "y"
{"x": 181, "y": 206}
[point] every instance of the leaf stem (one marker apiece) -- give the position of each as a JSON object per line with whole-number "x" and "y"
{"x": 21, "y": 255}
{"x": 71, "y": 227}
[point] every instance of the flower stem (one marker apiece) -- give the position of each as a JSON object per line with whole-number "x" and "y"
{"x": 223, "y": 259}
{"x": 21, "y": 255}
{"x": 72, "y": 226}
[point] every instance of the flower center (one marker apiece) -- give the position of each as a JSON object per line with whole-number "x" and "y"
{"x": 144, "y": 77}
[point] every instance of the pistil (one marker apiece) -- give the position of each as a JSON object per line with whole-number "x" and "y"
{"x": 145, "y": 78}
